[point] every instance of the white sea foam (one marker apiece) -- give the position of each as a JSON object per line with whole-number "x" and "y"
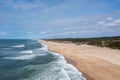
{"x": 50, "y": 72}
{"x": 56, "y": 70}
{"x": 68, "y": 69}
{"x": 23, "y": 57}
{"x": 26, "y": 55}
{"x": 44, "y": 47}
{"x": 27, "y": 52}
{"x": 38, "y": 49}
{"x": 18, "y": 46}
{"x": 73, "y": 73}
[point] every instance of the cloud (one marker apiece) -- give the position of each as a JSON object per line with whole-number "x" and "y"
{"x": 109, "y": 18}
{"x": 56, "y": 8}
{"x": 109, "y": 22}
{"x": 67, "y": 33}
{"x": 3, "y": 33}
{"x": 68, "y": 22}
{"x": 45, "y": 32}
{"x": 65, "y": 22}
{"x": 117, "y": 21}
{"x": 29, "y": 32}
{"x": 23, "y": 4}
{"x": 101, "y": 22}
{"x": 62, "y": 33}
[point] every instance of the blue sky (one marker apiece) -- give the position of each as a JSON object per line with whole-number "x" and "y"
{"x": 36, "y": 19}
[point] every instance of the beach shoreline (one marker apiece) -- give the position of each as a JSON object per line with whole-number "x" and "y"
{"x": 72, "y": 62}
{"x": 95, "y": 63}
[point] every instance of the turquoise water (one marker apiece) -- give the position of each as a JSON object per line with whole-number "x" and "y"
{"x": 30, "y": 60}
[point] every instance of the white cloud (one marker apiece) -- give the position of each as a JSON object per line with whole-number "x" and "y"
{"x": 3, "y": 33}
{"x": 101, "y": 22}
{"x": 63, "y": 33}
{"x": 64, "y": 22}
{"x": 117, "y": 21}
{"x": 67, "y": 33}
{"x": 29, "y": 32}
{"x": 26, "y": 5}
{"x": 56, "y": 8}
{"x": 109, "y": 22}
{"x": 23, "y": 5}
{"x": 109, "y": 18}
{"x": 45, "y": 32}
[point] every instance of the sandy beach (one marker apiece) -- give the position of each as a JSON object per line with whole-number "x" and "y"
{"x": 94, "y": 62}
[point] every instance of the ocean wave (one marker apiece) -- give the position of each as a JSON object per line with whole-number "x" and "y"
{"x": 23, "y": 57}
{"x": 27, "y": 52}
{"x": 44, "y": 47}
{"x": 18, "y": 46}
{"x": 73, "y": 73}
{"x": 36, "y": 63}
{"x": 69, "y": 70}
{"x": 6, "y": 48}
{"x": 26, "y": 55}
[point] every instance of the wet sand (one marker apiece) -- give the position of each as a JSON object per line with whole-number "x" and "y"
{"x": 94, "y": 62}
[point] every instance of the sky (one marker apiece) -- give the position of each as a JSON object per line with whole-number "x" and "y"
{"x": 40, "y": 19}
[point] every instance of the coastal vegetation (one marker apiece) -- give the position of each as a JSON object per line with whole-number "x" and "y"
{"x": 111, "y": 42}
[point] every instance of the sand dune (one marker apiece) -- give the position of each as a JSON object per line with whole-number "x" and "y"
{"x": 96, "y": 63}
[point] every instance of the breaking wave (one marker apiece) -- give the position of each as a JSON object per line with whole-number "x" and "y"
{"x": 33, "y": 61}
{"x": 17, "y": 46}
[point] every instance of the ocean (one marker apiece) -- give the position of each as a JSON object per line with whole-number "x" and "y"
{"x": 30, "y": 60}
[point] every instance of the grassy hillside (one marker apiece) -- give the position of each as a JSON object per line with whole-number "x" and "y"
{"x": 112, "y": 42}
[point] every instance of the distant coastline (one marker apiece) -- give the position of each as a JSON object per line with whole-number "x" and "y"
{"x": 111, "y": 42}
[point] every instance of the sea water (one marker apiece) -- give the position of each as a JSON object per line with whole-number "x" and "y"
{"x": 31, "y": 60}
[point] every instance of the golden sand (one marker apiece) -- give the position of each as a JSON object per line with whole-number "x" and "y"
{"x": 94, "y": 62}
